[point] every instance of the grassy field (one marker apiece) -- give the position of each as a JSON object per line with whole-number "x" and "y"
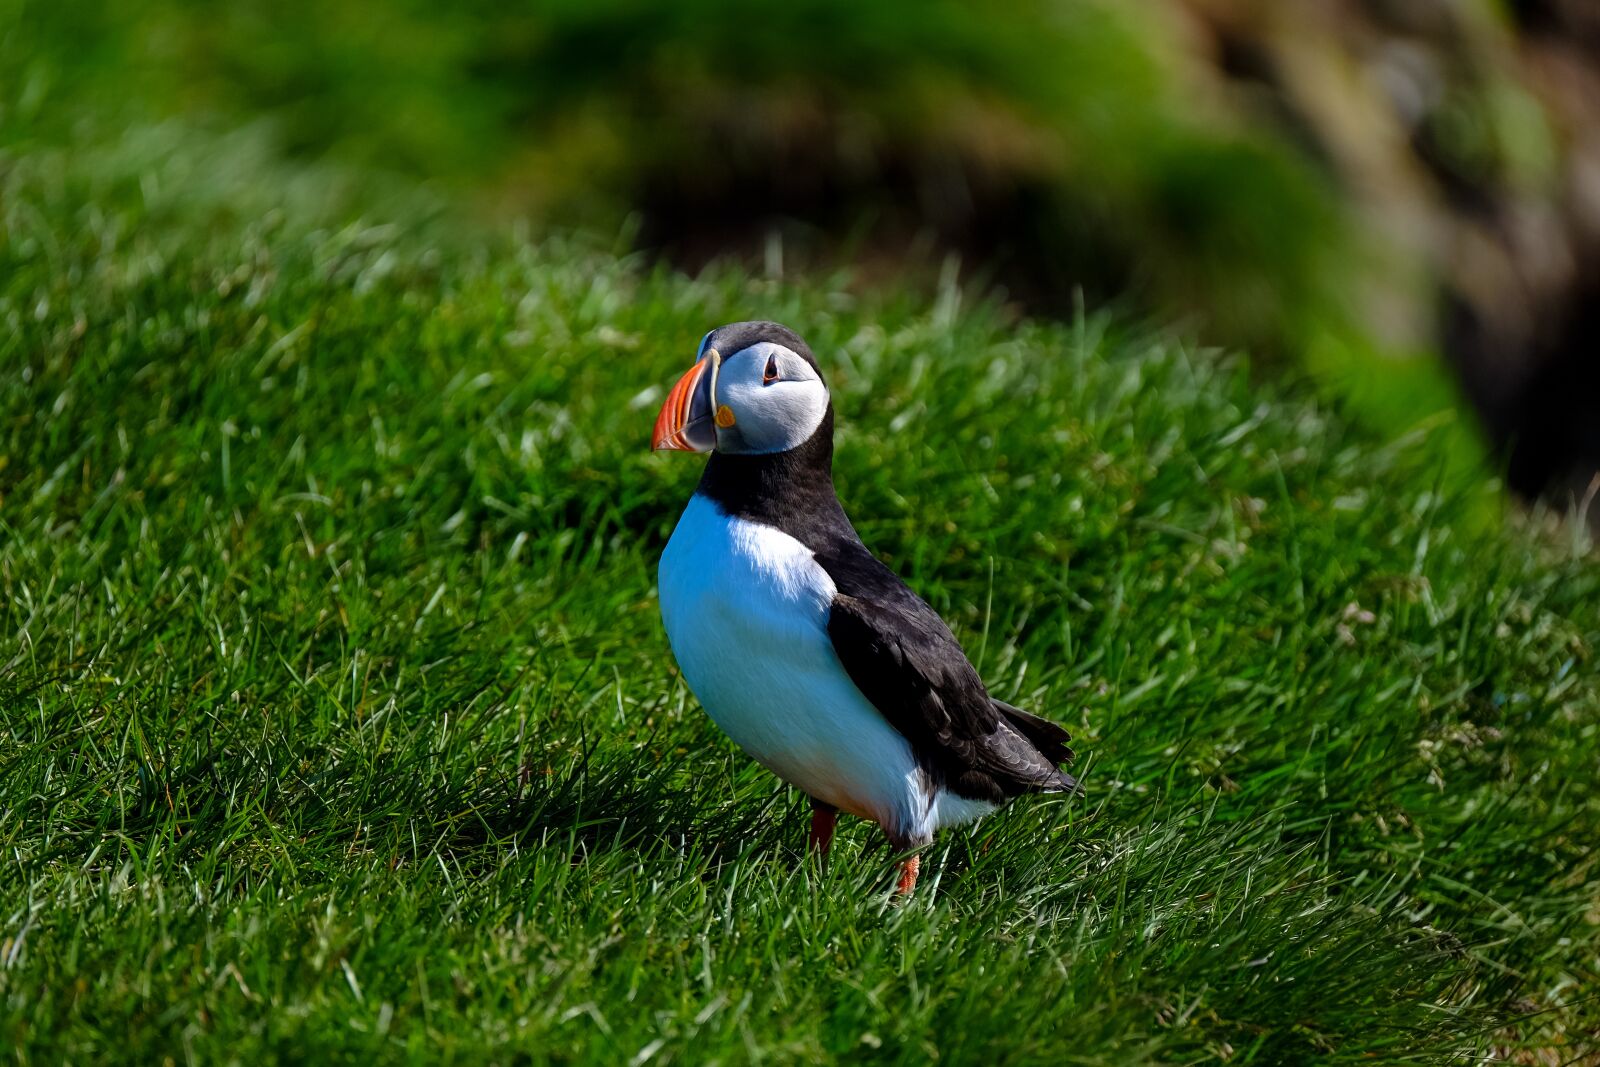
{"x": 337, "y": 723}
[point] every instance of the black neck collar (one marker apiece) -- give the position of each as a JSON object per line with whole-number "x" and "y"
{"x": 791, "y": 490}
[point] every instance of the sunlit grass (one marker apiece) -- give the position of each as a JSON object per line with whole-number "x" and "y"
{"x": 338, "y": 722}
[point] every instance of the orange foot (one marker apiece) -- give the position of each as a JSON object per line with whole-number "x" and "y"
{"x": 908, "y": 875}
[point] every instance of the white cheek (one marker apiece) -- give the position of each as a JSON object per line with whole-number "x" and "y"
{"x": 776, "y": 418}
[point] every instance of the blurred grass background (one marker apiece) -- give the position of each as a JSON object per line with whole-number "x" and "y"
{"x": 1344, "y": 188}
{"x": 712, "y": 127}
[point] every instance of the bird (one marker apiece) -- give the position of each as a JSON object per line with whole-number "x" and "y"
{"x": 802, "y": 646}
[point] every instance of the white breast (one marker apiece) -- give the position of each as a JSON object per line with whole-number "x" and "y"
{"x": 746, "y": 610}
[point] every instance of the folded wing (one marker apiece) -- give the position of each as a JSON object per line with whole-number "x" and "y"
{"x": 905, "y": 660}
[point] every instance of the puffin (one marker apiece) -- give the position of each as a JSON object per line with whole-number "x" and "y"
{"x": 802, "y": 646}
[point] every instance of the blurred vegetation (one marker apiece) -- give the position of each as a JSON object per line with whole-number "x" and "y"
{"x": 1342, "y": 188}
{"x": 1068, "y": 138}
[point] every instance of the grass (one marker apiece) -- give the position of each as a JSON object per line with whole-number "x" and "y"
{"x": 338, "y": 723}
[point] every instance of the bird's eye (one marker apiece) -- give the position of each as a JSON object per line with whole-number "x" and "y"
{"x": 770, "y": 375}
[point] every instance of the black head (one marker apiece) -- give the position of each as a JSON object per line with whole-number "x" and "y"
{"x": 755, "y": 389}
{"x": 735, "y": 337}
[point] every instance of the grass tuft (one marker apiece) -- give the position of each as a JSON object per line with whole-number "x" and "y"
{"x": 338, "y": 723}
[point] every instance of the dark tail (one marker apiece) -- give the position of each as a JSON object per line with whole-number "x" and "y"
{"x": 1050, "y": 739}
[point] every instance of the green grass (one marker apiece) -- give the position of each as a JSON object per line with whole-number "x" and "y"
{"x": 338, "y": 723}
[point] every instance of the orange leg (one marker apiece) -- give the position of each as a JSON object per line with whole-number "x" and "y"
{"x": 823, "y": 821}
{"x": 908, "y": 874}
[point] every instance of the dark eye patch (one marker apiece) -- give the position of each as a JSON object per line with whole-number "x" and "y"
{"x": 770, "y": 375}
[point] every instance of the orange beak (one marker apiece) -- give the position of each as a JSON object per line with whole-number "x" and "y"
{"x": 686, "y": 421}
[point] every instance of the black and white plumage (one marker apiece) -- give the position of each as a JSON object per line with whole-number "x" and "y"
{"x": 802, "y": 646}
